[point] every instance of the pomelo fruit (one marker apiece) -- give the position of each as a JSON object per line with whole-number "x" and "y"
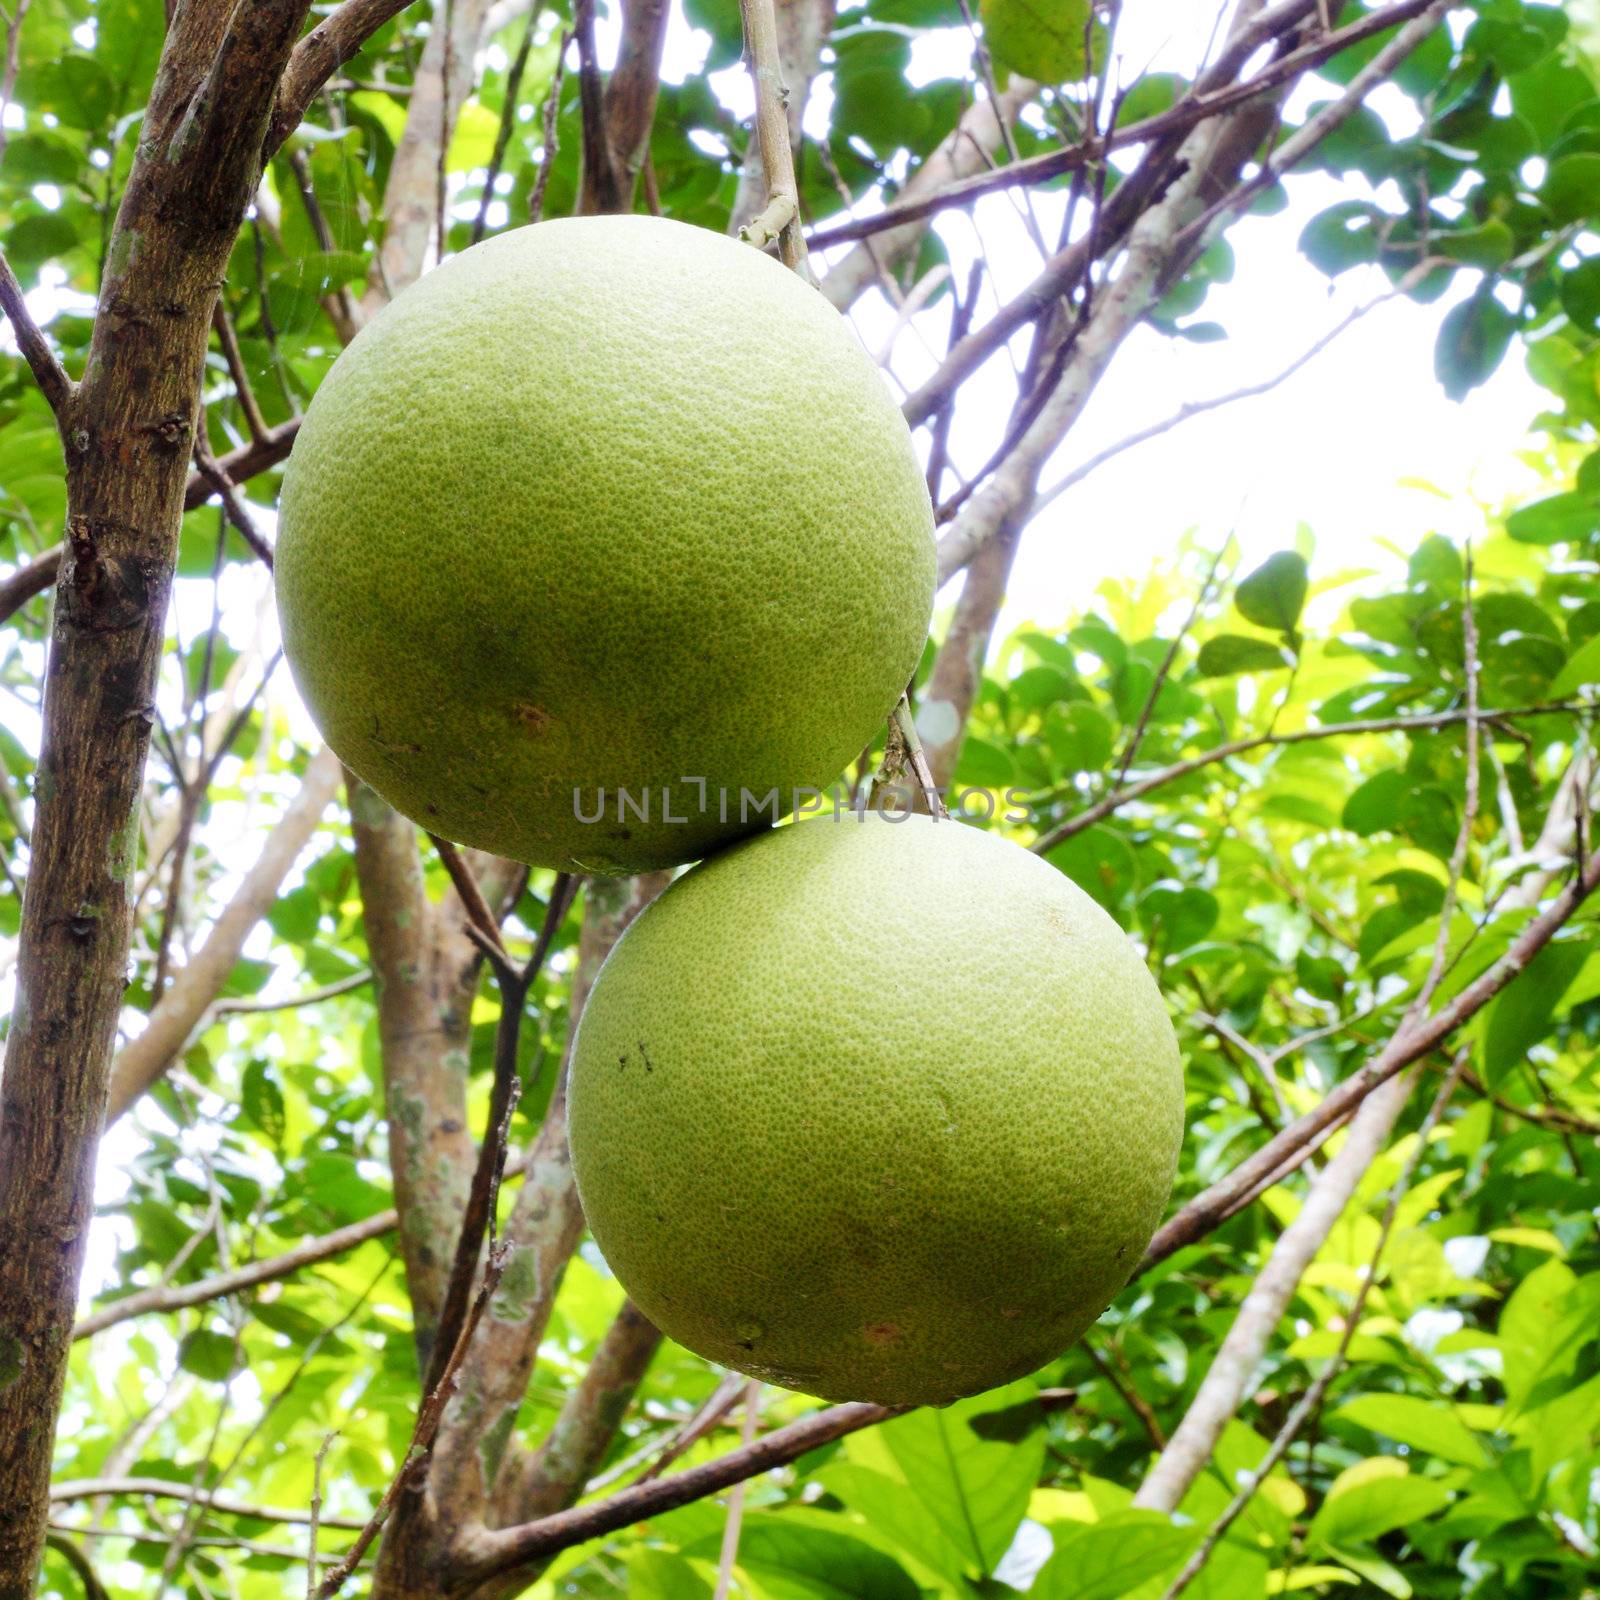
{"x": 598, "y": 525}
{"x": 877, "y": 1110}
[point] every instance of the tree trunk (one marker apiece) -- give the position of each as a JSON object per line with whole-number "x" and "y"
{"x": 128, "y": 431}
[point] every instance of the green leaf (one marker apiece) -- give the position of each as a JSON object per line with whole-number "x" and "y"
{"x": 1487, "y": 247}
{"x": 1559, "y": 519}
{"x": 1101, "y": 862}
{"x": 1230, "y": 653}
{"x": 208, "y": 1355}
{"x": 898, "y": 1512}
{"x": 1583, "y": 668}
{"x": 1371, "y": 808}
{"x": 36, "y": 239}
{"x": 800, "y": 1561}
{"x": 42, "y": 158}
{"x": 1537, "y": 1335}
{"x": 1368, "y": 1500}
{"x": 1522, "y": 1013}
{"x": 261, "y": 1101}
{"x": 976, "y": 1487}
{"x": 1571, "y": 188}
{"x": 1079, "y": 737}
{"x": 1274, "y": 595}
{"x": 1113, "y": 1557}
{"x": 1041, "y": 39}
{"x": 1430, "y": 1425}
{"x": 1580, "y": 292}
{"x": 1471, "y": 344}
{"x": 1176, "y": 915}
{"x": 663, "y": 1575}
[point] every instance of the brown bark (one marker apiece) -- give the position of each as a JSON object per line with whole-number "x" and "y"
{"x": 555, "y": 1475}
{"x": 542, "y": 1232}
{"x": 617, "y": 139}
{"x": 411, "y": 198}
{"x": 128, "y": 431}
{"x": 426, "y": 973}
{"x": 952, "y": 687}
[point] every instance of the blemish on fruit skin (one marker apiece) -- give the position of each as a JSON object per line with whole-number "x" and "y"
{"x": 883, "y": 1333}
{"x": 748, "y": 1332}
{"x": 534, "y": 718}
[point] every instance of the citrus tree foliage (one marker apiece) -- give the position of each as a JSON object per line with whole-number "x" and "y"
{"x": 1183, "y": 749}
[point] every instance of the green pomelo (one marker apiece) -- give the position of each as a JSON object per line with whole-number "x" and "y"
{"x": 604, "y": 507}
{"x": 877, "y": 1110}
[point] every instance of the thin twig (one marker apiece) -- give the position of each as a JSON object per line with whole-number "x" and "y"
{"x": 549, "y": 142}
{"x": 269, "y": 1269}
{"x": 466, "y": 886}
{"x": 960, "y": 323}
{"x": 717, "y": 1405}
{"x": 171, "y": 1489}
{"x": 1129, "y": 1396}
{"x": 1469, "y": 809}
{"x": 429, "y": 1416}
{"x": 30, "y": 579}
{"x": 1409, "y": 1043}
{"x": 1311, "y": 133}
{"x": 316, "y": 1515}
{"x": 1237, "y": 747}
{"x": 1196, "y": 408}
{"x": 478, "y": 1214}
{"x": 730, "y": 1529}
{"x": 508, "y": 120}
{"x": 216, "y": 475}
{"x": 308, "y": 997}
{"x": 228, "y": 339}
{"x": 1199, "y": 106}
{"x": 1164, "y": 671}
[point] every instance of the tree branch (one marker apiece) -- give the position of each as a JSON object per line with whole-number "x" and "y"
{"x": 429, "y": 1416}
{"x": 1198, "y": 106}
{"x": 169, "y": 1489}
{"x": 1225, "y": 1383}
{"x": 142, "y": 1061}
{"x": 1227, "y": 1380}
{"x": 968, "y": 149}
{"x": 1409, "y": 1043}
{"x": 558, "y": 1472}
{"x": 803, "y": 29}
{"x": 477, "y": 1218}
{"x": 319, "y": 55}
{"x": 492, "y": 1551}
{"x": 54, "y": 384}
{"x": 269, "y": 1269}
{"x": 779, "y": 222}
{"x": 541, "y": 1233}
{"x": 1237, "y": 747}
{"x": 1308, "y": 1403}
{"x": 32, "y": 578}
